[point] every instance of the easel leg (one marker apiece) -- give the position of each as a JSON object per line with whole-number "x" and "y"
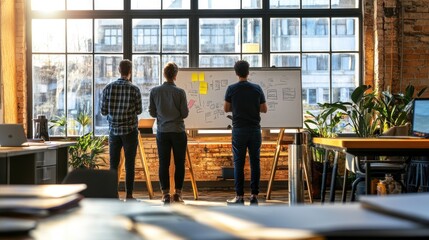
{"x": 275, "y": 162}
{"x": 121, "y": 165}
{"x": 307, "y": 179}
{"x": 145, "y": 167}
{"x": 191, "y": 171}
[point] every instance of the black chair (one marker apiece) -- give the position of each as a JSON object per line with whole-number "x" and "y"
{"x": 100, "y": 183}
{"x": 378, "y": 169}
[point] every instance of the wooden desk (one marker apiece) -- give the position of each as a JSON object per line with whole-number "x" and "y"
{"x": 109, "y": 219}
{"x": 373, "y": 147}
{"x": 36, "y": 164}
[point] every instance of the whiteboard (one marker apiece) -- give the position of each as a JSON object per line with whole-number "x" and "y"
{"x": 205, "y": 91}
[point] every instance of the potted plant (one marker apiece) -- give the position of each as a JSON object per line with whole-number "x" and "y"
{"x": 89, "y": 150}
{"x": 395, "y": 109}
{"x": 325, "y": 124}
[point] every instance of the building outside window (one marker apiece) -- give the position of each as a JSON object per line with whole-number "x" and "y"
{"x": 75, "y": 52}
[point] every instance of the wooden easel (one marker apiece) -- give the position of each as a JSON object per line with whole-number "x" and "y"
{"x": 191, "y": 172}
{"x": 144, "y": 165}
{"x": 280, "y": 142}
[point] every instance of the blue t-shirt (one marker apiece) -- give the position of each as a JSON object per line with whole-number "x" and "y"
{"x": 245, "y": 99}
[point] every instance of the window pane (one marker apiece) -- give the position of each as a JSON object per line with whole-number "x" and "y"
{"x": 108, "y": 35}
{"x": 106, "y": 71}
{"x": 345, "y": 75}
{"x": 252, "y": 35}
{"x": 315, "y": 34}
{"x": 146, "y": 75}
{"x": 315, "y": 3}
{"x": 146, "y": 35}
{"x": 214, "y": 61}
{"x": 47, "y": 5}
{"x": 344, "y": 4}
{"x": 79, "y": 92}
{"x": 175, "y": 35}
{"x": 182, "y": 61}
{"x": 285, "y": 60}
{"x": 255, "y": 60}
{"x": 145, "y": 4}
{"x": 108, "y": 5}
{"x": 48, "y": 87}
{"x": 79, "y": 5}
{"x": 251, "y": 4}
{"x": 285, "y": 34}
{"x": 79, "y": 35}
{"x": 315, "y": 77}
{"x": 345, "y": 36}
{"x": 284, "y": 4}
{"x": 219, "y": 35}
{"x": 48, "y": 35}
{"x": 219, "y": 4}
{"x": 174, "y": 4}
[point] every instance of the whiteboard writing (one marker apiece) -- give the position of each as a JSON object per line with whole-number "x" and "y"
{"x": 205, "y": 91}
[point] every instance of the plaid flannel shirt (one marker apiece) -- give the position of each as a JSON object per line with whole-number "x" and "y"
{"x": 121, "y": 101}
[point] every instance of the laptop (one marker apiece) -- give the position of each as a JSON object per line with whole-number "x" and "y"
{"x": 420, "y": 124}
{"x": 12, "y": 135}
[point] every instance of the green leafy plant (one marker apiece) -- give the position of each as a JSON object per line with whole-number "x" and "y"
{"x": 323, "y": 124}
{"x": 84, "y": 119}
{"x": 361, "y": 112}
{"x": 87, "y": 152}
{"x": 59, "y": 122}
{"x": 395, "y": 109}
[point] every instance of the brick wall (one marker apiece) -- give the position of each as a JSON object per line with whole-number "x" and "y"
{"x": 208, "y": 158}
{"x": 401, "y": 43}
{"x": 21, "y": 51}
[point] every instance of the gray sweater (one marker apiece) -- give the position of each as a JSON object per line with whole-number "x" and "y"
{"x": 168, "y": 105}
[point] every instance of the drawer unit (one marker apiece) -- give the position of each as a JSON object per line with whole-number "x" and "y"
{"x": 46, "y": 158}
{"x": 46, "y": 175}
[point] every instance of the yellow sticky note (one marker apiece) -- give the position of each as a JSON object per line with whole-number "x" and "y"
{"x": 201, "y": 77}
{"x": 194, "y": 77}
{"x": 203, "y": 88}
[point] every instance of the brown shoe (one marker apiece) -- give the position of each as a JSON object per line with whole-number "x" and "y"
{"x": 177, "y": 198}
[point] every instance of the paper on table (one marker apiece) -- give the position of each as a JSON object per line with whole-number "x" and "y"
{"x": 410, "y": 206}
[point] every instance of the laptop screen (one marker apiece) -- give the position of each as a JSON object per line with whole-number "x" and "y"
{"x": 421, "y": 117}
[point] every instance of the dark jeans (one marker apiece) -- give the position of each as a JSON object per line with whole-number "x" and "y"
{"x": 246, "y": 139}
{"x": 166, "y": 141}
{"x": 129, "y": 143}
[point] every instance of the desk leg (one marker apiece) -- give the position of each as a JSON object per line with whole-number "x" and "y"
{"x": 324, "y": 176}
{"x": 333, "y": 178}
{"x": 368, "y": 178}
{"x": 344, "y": 193}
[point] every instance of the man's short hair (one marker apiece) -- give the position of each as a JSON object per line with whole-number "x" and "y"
{"x": 241, "y": 68}
{"x": 125, "y": 67}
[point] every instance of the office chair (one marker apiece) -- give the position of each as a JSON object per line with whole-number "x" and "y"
{"x": 396, "y": 166}
{"x": 100, "y": 183}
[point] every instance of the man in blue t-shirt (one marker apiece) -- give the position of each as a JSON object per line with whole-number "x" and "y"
{"x": 246, "y": 101}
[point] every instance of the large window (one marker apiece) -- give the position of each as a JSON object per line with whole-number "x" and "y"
{"x": 76, "y": 46}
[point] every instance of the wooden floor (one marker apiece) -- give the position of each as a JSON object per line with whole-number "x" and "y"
{"x": 219, "y": 197}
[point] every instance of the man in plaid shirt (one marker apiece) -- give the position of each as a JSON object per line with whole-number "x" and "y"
{"x": 121, "y": 102}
